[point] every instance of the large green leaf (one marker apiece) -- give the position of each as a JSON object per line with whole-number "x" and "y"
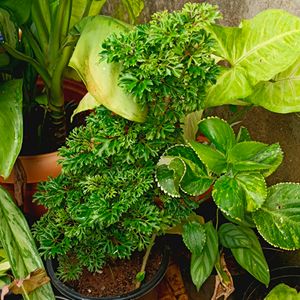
{"x": 278, "y": 220}
{"x": 283, "y": 292}
{"x": 252, "y": 259}
{"x": 17, "y": 241}
{"x": 282, "y": 93}
{"x": 218, "y": 132}
{"x": 229, "y": 197}
{"x": 194, "y": 237}
{"x": 203, "y": 264}
{"x": 78, "y": 8}
{"x": 256, "y": 51}
{"x": 231, "y": 236}
{"x": 11, "y": 124}
{"x": 101, "y": 78}
{"x": 19, "y": 9}
{"x": 133, "y": 7}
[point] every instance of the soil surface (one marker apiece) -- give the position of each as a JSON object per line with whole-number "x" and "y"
{"x": 117, "y": 278}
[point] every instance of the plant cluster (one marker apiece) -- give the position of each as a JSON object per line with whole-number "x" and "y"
{"x": 106, "y": 197}
{"x": 236, "y": 166}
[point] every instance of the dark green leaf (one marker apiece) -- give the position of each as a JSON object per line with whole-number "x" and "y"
{"x": 202, "y": 265}
{"x": 19, "y": 9}
{"x": 231, "y": 236}
{"x": 243, "y": 135}
{"x": 194, "y": 237}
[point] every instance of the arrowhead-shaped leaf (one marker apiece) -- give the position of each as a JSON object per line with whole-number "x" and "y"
{"x": 278, "y": 220}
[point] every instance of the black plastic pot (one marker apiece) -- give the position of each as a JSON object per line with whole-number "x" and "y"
{"x": 142, "y": 291}
{"x": 289, "y": 275}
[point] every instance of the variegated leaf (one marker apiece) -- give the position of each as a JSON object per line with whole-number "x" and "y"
{"x": 218, "y": 132}
{"x": 278, "y": 220}
{"x": 203, "y": 264}
{"x": 194, "y": 237}
{"x": 252, "y": 259}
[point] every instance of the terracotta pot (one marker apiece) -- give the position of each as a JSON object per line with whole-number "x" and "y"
{"x": 39, "y": 167}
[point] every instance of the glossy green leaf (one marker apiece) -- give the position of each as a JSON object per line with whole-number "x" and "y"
{"x": 203, "y": 264}
{"x": 8, "y": 29}
{"x": 190, "y": 125}
{"x": 101, "y": 78}
{"x": 282, "y": 93}
{"x": 283, "y": 292}
{"x": 231, "y": 236}
{"x": 17, "y": 241}
{"x": 229, "y": 197}
{"x": 218, "y": 132}
{"x": 252, "y": 259}
{"x": 246, "y": 222}
{"x": 213, "y": 159}
{"x": 278, "y": 220}
{"x": 78, "y": 8}
{"x": 11, "y": 124}
{"x": 19, "y": 9}
{"x": 257, "y": 50}
{"x": 194, "y": 237}
{"x": 255, "y": 189}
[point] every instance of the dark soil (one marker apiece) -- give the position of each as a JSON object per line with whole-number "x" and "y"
{"x": 117, "y": 278}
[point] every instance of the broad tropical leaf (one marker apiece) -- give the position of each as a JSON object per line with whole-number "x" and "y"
{"x": 247, "y": 49}
{"x": 229, "y": 197}
{"x": 218, "y": 132}
{"x": 194, "y": 237}
{"x": 190, "y": 125}
{"x": 203, "y": 264}
{"x": 101, "y": 78}
{"x": 88, "y": 102}
{"x": 133, "y": 8}
{"x": 282, "y": 93}
{"x": 19, "y": 9}
{"x": 283, "y": 292}
{"x": 252, "y": 259}
{"x": 17, "y": 241}
{"x": 11, "y": 124}
{"x": 231, "y": 236}
{"x": 278, "y": 220}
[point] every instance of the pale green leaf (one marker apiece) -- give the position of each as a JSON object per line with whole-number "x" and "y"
{"x": 278, "y": 220}
{"x": 88, "y": 102}
{"x": 231, "y": 236}
{"x": 252, "y": 259}
{"x": 203, "y": 264}
{"x": 283, "y": 292}
{"x": 194, "y": 237}
{"x": 218, "y": 132}
{"x": 255, "y": 189}
{"x": 213, "y": 159}
{"x": 133, "y": 8}
{"x": 256, "y": 51}
{"x": 229, "y": 197}
{"x": 17, "y": 241}
{"x": 282, "y": 93}
{"x": 11, "y": 124}
{"x": 101, "y": 78}
{"x": 190, "y": 125}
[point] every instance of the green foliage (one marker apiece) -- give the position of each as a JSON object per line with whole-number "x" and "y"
{"x": 283, "y": 292}
{"x": 169, "y": 58}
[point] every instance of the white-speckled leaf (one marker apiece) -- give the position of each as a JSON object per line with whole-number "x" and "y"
{"x": 278, "y": 220}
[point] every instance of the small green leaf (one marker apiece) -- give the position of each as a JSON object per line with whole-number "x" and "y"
{"x": 243, "y": 135}
{"x": 194, "y": 237}
{"x": 252, "y": 259}
{"x": 202, "y": 265}
{"x": 140, "y": 276}
{"x": 283, "y": 292}
{"x": 231, "y": 236}
{"x": 278, "y": 220}
{"x": 218, "y": 132}
{"x": 190, "y": 125}
{"x": 229, "y": 197}
{"x": 213, "y": 159}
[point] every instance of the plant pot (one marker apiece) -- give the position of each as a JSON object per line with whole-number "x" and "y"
{"x": 139, "y": 293}
{"x": 39, "y": 167}
{"x": 289, "y": 275}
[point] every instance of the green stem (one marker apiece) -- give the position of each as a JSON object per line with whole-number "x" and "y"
{"x": 19, "y": 55}
{"x": 24, "y": 294}
{"x": 145, "y": 258}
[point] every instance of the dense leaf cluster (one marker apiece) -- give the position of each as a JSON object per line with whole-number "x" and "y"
{"x": 106, "y": 204}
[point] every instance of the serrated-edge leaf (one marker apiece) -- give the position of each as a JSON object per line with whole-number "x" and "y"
{"x": 202, "y": 265}
{"x": 278, "y": 220}
{"x": 231, "y": 236}
{"x": 194, "y": 237}
{"x": 252, "y": 259}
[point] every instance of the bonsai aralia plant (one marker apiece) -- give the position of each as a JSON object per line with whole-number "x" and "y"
{"x": 105, "y": 204}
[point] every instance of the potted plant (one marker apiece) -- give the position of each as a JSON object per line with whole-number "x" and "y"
{"x": 45, "y": 35}
{"x": 105, "y": 204}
